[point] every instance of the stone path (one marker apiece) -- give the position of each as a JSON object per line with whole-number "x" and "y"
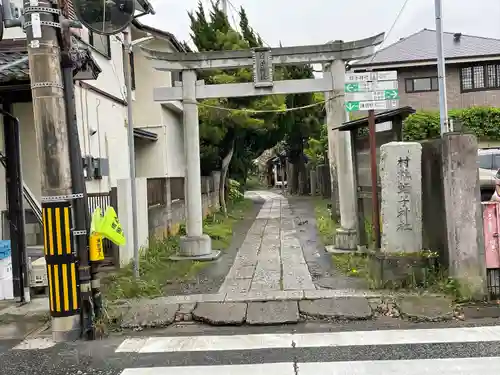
{"x": 271, "y": 256}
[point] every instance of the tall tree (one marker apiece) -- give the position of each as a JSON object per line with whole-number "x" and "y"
{"x": 300, "y": 125}
{"x": 227, "y": 130}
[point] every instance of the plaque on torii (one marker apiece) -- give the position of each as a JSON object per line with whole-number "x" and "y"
{"x": 262, "y": 67}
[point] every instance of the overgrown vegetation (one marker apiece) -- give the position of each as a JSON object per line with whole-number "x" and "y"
{"x": 325, "y": 224}
{"x": 484, "y": 122}
{"x": 157, "y": 270}
{"x": 435, "y": 279}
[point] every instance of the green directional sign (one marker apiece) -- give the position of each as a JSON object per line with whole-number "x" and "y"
{"x": 391, "y": 94}
{"x": 351, "y": 87}
{"x": 352, "y": 106}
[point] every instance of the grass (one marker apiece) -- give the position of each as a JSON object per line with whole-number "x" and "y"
{"x": 325, "y": 224}
{"x": 254, "y": 183}
{"x": 358, "y": 265}
{"x": 157, "y": 270}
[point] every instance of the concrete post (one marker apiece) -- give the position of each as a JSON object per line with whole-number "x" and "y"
{"x": 464, "y": 213}
{"x": 215, "y": 194}
{"x": 126, "y": 214}
{"x": 313, "y": 181}
{"x": 168, "y": 204}
{"x": 195, "y": 245}
{"x": 346, "y": 238}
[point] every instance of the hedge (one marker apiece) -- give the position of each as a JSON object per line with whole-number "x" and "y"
{"x": 484, "y": 122}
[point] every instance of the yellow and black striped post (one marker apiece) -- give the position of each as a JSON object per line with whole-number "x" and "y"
{"x": 62, "y": 271}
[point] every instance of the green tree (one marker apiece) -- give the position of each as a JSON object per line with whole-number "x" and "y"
{"x": 228, "y": 131}
{"x": 300, "y": 125}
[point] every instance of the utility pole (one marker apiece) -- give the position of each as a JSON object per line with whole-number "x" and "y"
{"x": 224, "y": 7}
{"x": 443, "y": 105}
{"x": 127, "y": 44}
{"x": 42, "y": 23}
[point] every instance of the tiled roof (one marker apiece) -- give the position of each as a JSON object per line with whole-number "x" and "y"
{"x": 421, "y": 46}
{"x": 13, "y": 61}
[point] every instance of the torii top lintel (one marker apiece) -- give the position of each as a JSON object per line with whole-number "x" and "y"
{"x": 313, "y": 54}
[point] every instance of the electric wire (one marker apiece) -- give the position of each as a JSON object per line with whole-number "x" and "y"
{"x": 261, "y": 111}
{"x": 386, "y": 36}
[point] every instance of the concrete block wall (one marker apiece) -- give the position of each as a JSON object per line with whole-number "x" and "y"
{"x": 164, "y": 220}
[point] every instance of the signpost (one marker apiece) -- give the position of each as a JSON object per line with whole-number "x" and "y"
{"x": 372, "y": 91}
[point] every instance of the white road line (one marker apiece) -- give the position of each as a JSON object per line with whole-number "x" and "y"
{"x": 35, "y": 343}
{"x": 257, "y": 369}
{"x": 308, "y": 340}
{"x": 448, "y": 366}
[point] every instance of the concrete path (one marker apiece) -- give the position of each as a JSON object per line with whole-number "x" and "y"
{"x": 271, "y": 257}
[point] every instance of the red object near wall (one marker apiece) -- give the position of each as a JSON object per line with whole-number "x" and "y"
{"x": 491, "y": 221}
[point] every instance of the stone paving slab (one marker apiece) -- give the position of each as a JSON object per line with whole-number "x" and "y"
{"x": 152, "y": 315}
{"x": 262, "y": 296}
{"x": 349, "y": 308}
{"x": 426, "y": 308}
{"x": 225, "y": 313}
{"x": 272, "y": 313}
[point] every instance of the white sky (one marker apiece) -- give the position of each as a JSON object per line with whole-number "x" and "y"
{"x": 324, "y": 20}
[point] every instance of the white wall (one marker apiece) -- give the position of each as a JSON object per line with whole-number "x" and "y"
{"x": 166, "y": 156}
{"x": 107, "y": 118}
{"x": 176, "y": 158}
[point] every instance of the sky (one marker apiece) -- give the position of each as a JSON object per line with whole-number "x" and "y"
{"x": 319, "y": 21}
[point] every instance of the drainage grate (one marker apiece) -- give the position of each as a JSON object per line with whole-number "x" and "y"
{"x": 493, "y": 282}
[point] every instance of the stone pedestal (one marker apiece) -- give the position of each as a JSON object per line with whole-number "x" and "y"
{"x": 401, "y": 203}
{"x": 346, "y": 239}
{"x": 464, "y": 213}
{"x": 197, "y": 248}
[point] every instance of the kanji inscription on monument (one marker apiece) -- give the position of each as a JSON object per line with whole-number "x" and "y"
{"x": 401, "y": 203}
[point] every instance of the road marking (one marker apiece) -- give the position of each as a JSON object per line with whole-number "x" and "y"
{"x": 35, "y": 343}
{"x": 257, "y": 369}
{"x": 206, "y": 343}
{"x": 448, "y": 366}
{"x": 309, "y": 340}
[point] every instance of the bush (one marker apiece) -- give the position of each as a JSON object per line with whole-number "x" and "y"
{"x": 484, "y": 122}
{"x": 235, "y": 193}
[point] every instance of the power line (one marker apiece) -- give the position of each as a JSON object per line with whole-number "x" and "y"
{"x": 260, "y": 111}
{"x": 392, "y": 28}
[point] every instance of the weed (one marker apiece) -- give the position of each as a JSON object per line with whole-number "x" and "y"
{"x": 325, "y": 224}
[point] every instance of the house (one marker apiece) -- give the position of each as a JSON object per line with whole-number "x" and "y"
{"x": 101, "y": 110}
{"x": 472, "y": 69}
{"x": 163, "y": 157}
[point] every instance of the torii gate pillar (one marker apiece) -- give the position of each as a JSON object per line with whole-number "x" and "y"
{"x": 340, "y": 143}
{"x": 195, "y": 245}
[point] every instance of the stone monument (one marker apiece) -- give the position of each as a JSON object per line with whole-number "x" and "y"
{"x": 401, "y": 203}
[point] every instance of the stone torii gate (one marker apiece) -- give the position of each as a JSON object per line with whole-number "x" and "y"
{"x": 197, "y": 245}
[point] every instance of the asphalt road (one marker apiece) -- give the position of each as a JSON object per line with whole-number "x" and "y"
{"x": 311, "y": 350}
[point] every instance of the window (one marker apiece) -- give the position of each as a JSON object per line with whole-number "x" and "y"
{"x": 101, "y": 43}
{"x": 486, "y": 161}
{"x": 496, "y": 162}
{"x": 480, "y": 77}
{"x": 422, "y": 84}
